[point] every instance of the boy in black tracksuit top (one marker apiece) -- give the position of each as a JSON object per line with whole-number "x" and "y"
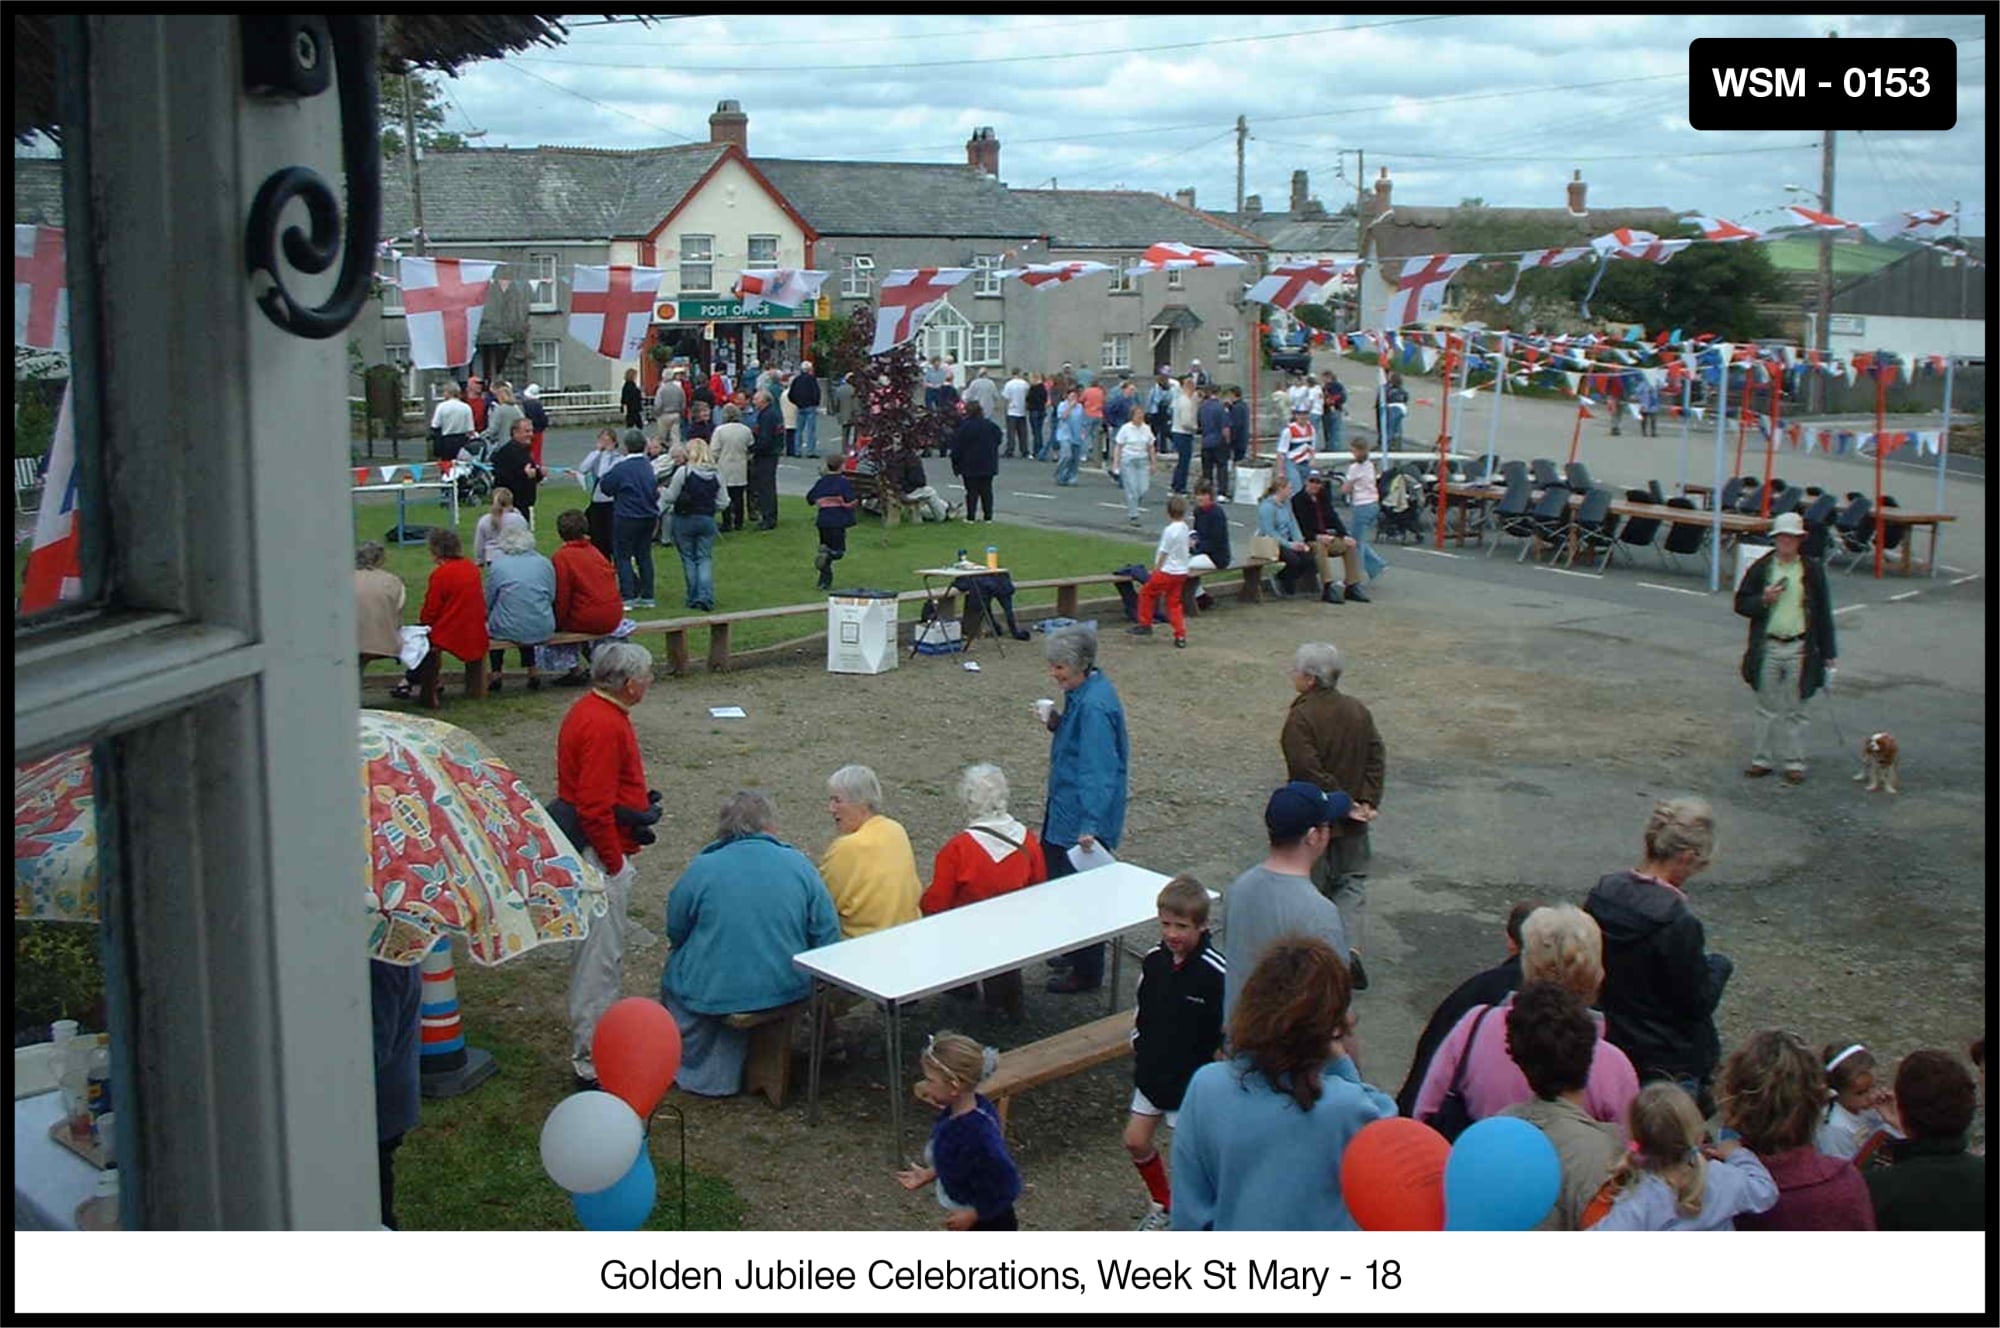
{"x": 1176, "y": 1029}
{"x": 832, "y": 498}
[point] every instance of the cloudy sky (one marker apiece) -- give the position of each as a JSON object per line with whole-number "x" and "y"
{"x": 1463, "y": 105}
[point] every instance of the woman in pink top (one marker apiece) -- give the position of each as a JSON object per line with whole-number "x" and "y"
{"x": 1559, "y": 945}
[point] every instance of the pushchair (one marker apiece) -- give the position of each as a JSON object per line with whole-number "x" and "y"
{"x": 1402, "y": 505}
{"x": 474, "y": 473}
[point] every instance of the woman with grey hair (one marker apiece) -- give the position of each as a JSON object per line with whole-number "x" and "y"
{"x": 993, "y": 855}
{"x": 745, "y": 905}
{"x": 520, "y": 601}
{"x": 1089, "y": 759}
{"x": 378, "y": 605}
{"x": 732, "y": 463}
{"x": 1661, "y": 986}
{"x": 869, "y": 866}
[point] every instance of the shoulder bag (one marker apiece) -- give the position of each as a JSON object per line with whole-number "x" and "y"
{"x": 1453, "y": 1117}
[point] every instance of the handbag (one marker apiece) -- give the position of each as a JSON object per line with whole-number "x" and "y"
{"x": 1453, "y": 1117}
{"x": 1265, "y": 547}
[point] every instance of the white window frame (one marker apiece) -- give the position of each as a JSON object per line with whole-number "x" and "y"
{"x": 985, "y": 281}
{"x": 219, "y": 670}
{"x": 544, "y": 295}
{"x": 1115, "y": 352}
{"x": 750, "y": 258}
{"x": 1176, "y": 278}
{"x": 551, "y": 380}
{"x": 1225, "y": 346}
{"x": 388, "y": 270}
{"x": 1122, "y": 283}
{"x": 704, "y": 265}
{"x": 946, "y": 331}
{"x": 857, "y": 280}
{"x": 986, "y": 344}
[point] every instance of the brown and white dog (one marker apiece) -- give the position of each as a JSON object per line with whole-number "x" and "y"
{"x": 1878, "y": 762}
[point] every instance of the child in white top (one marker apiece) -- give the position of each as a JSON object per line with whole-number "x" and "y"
{"x": 486, "y": 530}
{"x": 1860, "y": 1112}
{"x": 1670, "y": 1182}
{"x": 1169, "y": 574}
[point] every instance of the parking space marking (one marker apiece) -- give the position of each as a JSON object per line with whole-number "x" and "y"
{"x": 1963, "y": 579}
{"x": 1678, "y": 590}
{"x": 1848, "y": 608}
{"x": 1563, "y": 571}
{"x": 1438, "y": 553}
{"x": 1044, "y": 497}
{"x": 1908, "y": 594}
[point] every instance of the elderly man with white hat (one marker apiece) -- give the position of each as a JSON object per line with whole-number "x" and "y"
{"x": 1791, "y": 650}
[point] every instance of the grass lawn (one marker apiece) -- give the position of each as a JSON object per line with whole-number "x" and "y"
{"x": 755, "y": 570}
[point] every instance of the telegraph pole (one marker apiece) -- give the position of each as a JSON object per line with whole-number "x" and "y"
{"x": 1820, "y": 328}
{"x": 1242, "y": 134}
{"x": 1958, "y": 234}
{"x": 410, "y": 159}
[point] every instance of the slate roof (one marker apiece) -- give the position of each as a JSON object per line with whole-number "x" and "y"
{"x": 544, "y": 193}
{"x": 38, "y": 191}
{"x": 1405, "y": 232}
{"x": 1126, "y": 219}
{"x": 899, "y": 198}
{"x": 1287, "y": 234}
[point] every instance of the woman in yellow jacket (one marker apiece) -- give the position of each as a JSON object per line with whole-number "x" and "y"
{"x": 869, "y": 867}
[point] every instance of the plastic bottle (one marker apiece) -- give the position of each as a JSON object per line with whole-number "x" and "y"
{"x": 100, "y": 1211}
{"x": 97, "y": 1086}
{"x": 71, "y": 1064}
{"x": 992, "y": 557}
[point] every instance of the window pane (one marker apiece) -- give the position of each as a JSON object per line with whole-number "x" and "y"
{"x": 763, "y": 251}
{"x": 1176, "y": 279}
{"x": 855, "y": 276}
{"x": 542, "y": 280}
{"x": 387, "y": 273}
{"x": 697, "y": 262}
{"x": 983, "y": 280}
{"x": 547, "y": 364}
{"x": 1225, "y": 346}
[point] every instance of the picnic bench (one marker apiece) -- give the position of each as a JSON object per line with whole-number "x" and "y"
{"x": 1069, "y": 1052}
{"x": 767, "y": 1066}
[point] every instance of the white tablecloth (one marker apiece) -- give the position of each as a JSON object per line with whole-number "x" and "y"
{"x": 49, "y": 1180}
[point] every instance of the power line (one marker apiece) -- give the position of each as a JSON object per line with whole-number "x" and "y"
{"x": 1038, "y": 25}
{"x": 781, "y": 70}
{"x": 1393, "y": 153}
{"x": 608, "y": 106}
{"x": 1160, "y": 158}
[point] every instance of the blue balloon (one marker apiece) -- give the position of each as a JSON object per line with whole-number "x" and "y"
{"x": 1502, "y": 1175}
{"x": 626, "y": 1204}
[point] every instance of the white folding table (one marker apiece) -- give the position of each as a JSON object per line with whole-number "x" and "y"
{"x": 447, "y": 491}
{"x": 899, "y": 964}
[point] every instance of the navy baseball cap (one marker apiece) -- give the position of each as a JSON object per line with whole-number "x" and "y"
{"x": 1299, "y": 806}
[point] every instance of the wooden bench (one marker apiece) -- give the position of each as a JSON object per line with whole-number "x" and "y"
{"x": 767, "y": 1067}
{"x": 1069, "y": 1052}
{"x": 868, "y": 490}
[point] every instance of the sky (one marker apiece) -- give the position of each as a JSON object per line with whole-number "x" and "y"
{"x": 1476, "y": 104}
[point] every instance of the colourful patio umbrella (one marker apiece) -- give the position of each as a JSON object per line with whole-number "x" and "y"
{"x": 456, "y": 843}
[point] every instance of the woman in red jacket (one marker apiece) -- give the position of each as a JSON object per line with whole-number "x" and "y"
{"x": 993, "y": 855}
{"x": 454, "y": 610}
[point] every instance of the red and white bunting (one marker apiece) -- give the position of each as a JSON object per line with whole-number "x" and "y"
{"x": 41, "y": 289}
{"x": 1419, "y": 293}
{"x": 54, "y": 574}
{"x": 1288, "y": 283}
{"x": 611, "y": 307}
{"x": 789, "y": 287}
{"x": 1817, "y": 221}
{"x": 1541, "y": 258}
{"x": 1043, "y": 276}
{"x": 1172, "y": 255}
{"x": 1718, "y": 231}
{"x": 443, "y": 299}
{"x": 908, "y": 296}
{"x": 1907, "y": 224}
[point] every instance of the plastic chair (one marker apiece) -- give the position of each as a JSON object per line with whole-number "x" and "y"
{"x": 1596, "y": 527}
{"x": 1683, "y": 538}
{"x": 1543, "y": 471}
{"x": 1511, "y": 516}
{"x": 1819, "y": 524}
{"x": 1654, "y": 494}
{"x": 1549, "y": 519}
{"x": 1732, "y": 490}
{"x": 1855, "y": 530}
{"x": 1577, "y": 476}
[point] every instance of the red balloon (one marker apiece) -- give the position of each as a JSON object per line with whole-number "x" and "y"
{"x": 1392, "y": 1176}
{"x": 637, "y": 1051}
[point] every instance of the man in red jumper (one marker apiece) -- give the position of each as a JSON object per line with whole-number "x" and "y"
{"x": 599, "y": 773}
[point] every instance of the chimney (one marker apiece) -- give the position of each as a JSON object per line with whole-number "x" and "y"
{"x": 982, "y": 150}
{"x": 730, "y": 125}
{"x": 1253, "y": 205}
{"x": 1185, "y": 197}
{"x": 1379, "y": 203}
{"x": 1299, "y": 191}
{"x": 1576, "y": 192}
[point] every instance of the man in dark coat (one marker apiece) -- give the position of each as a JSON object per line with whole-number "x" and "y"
{"x": 975, "y": 459}
{"x": 1329, "y": 739}
{"x": 1791, "y": 649}
{"x": 767, "y": 445}
{"x": 395, "y": 1000}
{"x": 804, "y": 394}
{"x": 1489, "y": 986}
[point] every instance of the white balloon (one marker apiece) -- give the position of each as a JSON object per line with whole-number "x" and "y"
{"x": 589, "y": 1141}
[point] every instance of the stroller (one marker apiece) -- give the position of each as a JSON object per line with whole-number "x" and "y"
{"x": 474, "y": 473}
{"x": 1402, "y": 504}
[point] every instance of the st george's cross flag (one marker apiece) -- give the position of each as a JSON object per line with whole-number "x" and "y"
{"x": 1817, "y": 221}
{"x": 611, "y": 307}
{"x": 1172, "y": 256}
{"x": 41, "y": 289}
{"x": 1907, "y": 224}
{"x": 1288, "y": 283}
{"x": 908, "y": 296}
{"x": 1044, "y": 276}
{"x": 1419, "y": 292}
{"x": 1541, "y": 258}
{"x": 443, "y": 299}
{"x": 1717, "y": 230}
{"x": 55, "y": 563}
{"x": 789, "y": 287}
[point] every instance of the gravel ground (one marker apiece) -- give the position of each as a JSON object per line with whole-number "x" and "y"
{"x": 1527, "y": 734}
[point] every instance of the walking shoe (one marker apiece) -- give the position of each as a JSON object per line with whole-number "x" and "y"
{"x": 823, "y": 560}
{"x": 1141, "y": 630}
{"x": 1156, "y": 1219}
{"x": 1356, "y": 594}
{"x": 1756, "y": 771}
{"x": 1795, "y": 776}
{"x": 1330, "y": 595}
{"x": 1356, "y": 973}
{"x": 1180, "y": 643}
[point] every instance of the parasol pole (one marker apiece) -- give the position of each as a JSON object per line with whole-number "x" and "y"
{"x": 1499, "y": 387}
{"x": 1576, "y": 432}
{"x": 1770, "y": 445}
{"x": 1715, "y": 499}
{"x": 1444, "y": 440}
{"x": 1944, "y": 446}
{"x": 1881, "y": 423}
{"x": 449, "y": 1067}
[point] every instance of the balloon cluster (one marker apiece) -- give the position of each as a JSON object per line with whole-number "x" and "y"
{"x": 594, "y": 1144}
{"x": 1402, "y": 1175}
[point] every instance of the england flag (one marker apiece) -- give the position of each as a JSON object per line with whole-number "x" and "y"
{"x": 41, "y": 289}
{"x": 1172, "y": 255}
{"x": 1043, "y": 276}
{"x": 54, "y": 574}
{"x": 443, "y": 299}
{"x": 788, "y": 287}
{"x": 610, "y": 308}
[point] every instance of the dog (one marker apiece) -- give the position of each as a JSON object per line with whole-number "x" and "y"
{"x": 1878, "y": 763}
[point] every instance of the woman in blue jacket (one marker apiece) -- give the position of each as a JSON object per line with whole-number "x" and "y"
{"x": 745, "y": 905}
{"x": 1276, "y": 521}
{"x": 1089, "y": 757}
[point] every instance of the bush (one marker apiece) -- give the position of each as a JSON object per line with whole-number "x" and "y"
{"x": 34, "y": 422}
{"x": 56, "y": 976}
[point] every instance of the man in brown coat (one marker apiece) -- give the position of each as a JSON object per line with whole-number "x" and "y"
{"x": 1330, "y": 740}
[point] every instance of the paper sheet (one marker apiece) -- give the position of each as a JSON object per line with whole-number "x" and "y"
{"x": 726, "y": 712}
{"x": 1083, "y": 861}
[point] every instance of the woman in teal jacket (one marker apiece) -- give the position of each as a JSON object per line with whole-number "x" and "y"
{"x": 745, "y": 905}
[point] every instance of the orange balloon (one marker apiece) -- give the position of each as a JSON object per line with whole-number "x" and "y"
{"x": 1392, "y": 1176}
{"x": 637, "y": 1051}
